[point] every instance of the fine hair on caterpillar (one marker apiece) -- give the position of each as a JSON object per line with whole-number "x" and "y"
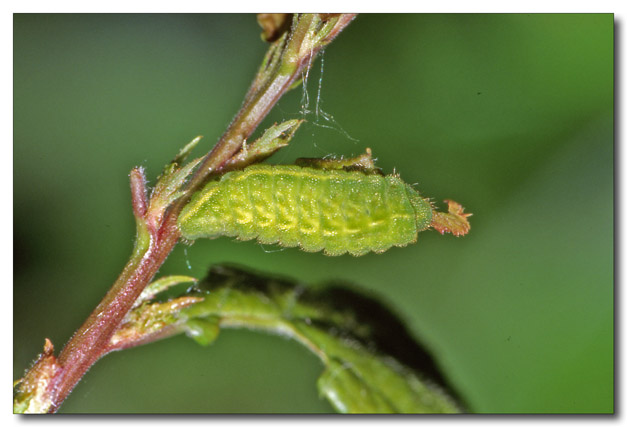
{"x": 335, "y": 206}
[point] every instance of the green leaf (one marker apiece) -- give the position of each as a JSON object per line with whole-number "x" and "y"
{"x": 151, "y": 319}
{"x": 161, "y": 285}
{"x": 372, "y": 364}
{"x": 274, "y": 138}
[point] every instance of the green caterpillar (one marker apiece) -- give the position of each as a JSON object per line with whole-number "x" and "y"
{"x": 334, "y": 206}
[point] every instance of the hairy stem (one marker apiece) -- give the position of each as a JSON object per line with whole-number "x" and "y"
{"x": 270, "y": 84}
{"x": 154, "y": 242}
{"x": 90, "y": 342}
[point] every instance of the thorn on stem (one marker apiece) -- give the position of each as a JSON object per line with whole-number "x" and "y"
{"x": 33, "y": 393}
{"x": 138, "y": 191}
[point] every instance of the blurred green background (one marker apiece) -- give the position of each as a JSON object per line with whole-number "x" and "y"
{"x": 510, "y": 115}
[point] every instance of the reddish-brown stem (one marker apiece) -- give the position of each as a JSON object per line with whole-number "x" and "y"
{"x": 155, "y": 241}
{"x": 260, "y": 100}
{"x": 91, "y": 341}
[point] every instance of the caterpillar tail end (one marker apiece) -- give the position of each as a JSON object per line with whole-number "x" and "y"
{"x": 454, "y": 221}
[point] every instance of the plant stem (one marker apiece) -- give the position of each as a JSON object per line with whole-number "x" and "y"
{"x": 90, "y": 342}
{"x": 268, "y": 87}
{"x": 154, "y": 242}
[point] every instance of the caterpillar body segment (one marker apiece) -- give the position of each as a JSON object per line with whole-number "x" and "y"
{"x": 331, "y": 210}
